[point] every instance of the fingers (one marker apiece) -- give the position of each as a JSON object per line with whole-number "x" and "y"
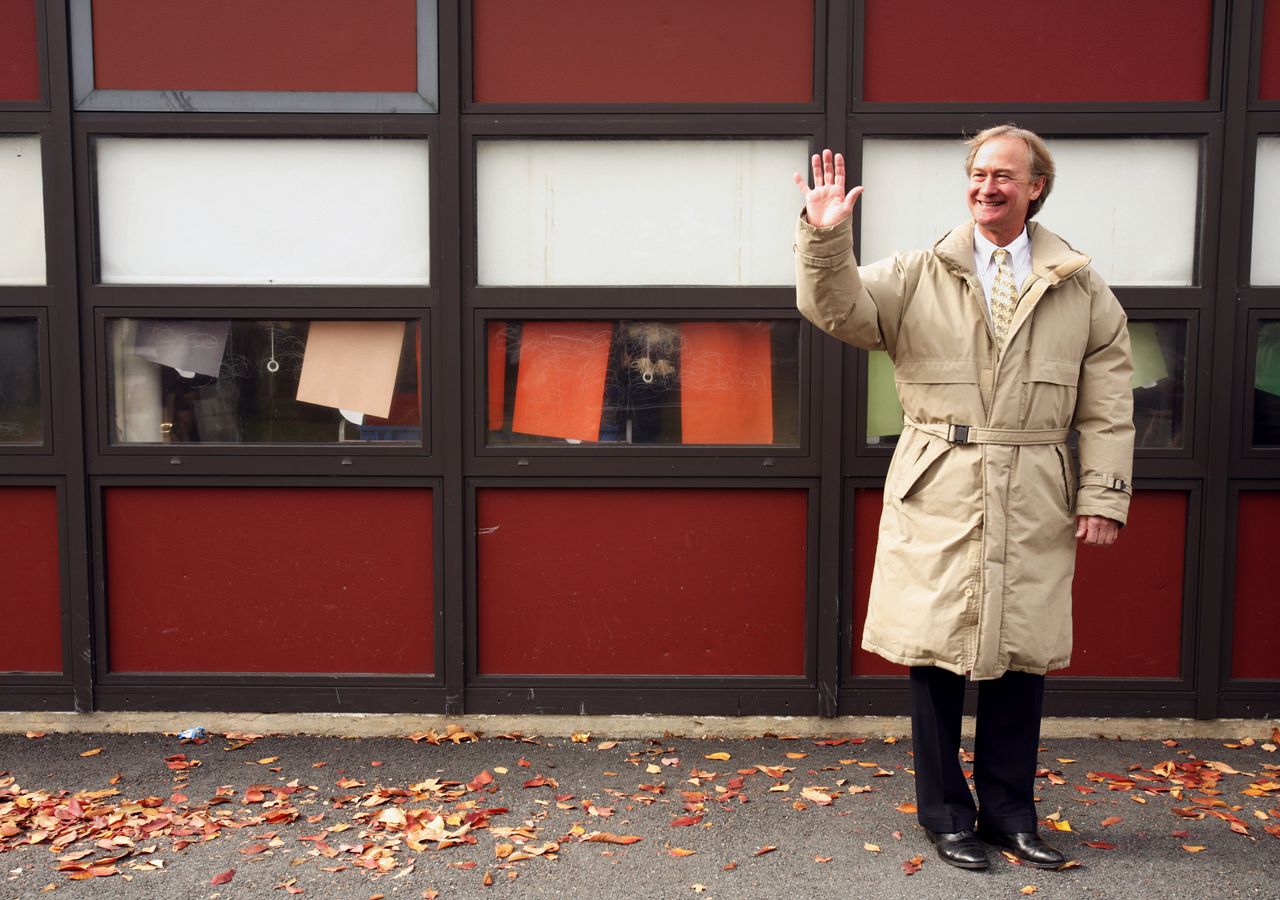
{"x": 1097, "y": 531}
{"x": 851, "y": 198}
{"x": 817, "y": 171}
{"x": 828, "y": 168}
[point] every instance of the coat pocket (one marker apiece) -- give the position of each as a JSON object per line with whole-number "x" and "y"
{"x": 1049, "y": 392}
{"x": 1068, "y": 475}
{"x": 917, "y": 460}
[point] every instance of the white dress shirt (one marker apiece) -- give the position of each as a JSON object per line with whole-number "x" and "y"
{"x": 985, "y": 265}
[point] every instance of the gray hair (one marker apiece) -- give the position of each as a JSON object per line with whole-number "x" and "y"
{"x": 1039, "y": 159}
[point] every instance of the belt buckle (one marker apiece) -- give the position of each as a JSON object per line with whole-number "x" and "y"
{"x": 959, "y": 434}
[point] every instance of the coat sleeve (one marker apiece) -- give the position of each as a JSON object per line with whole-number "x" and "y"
{"x": 860, "y": 305}
{"x": 1104, "y": 410}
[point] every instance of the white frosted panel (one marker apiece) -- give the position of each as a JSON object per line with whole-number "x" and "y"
{"x": 1103, "y": 201}
{"x": 1130, "y": 203}
{"x": 1265, "y": 267}
{"x": 21, "y": 211}
{"x": 262, "y": 211}
{"x": 637, "y": 212}
{"x": 914, "y": 194}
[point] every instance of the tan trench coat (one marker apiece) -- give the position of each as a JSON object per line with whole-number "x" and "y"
{"x": 976, "y": 548}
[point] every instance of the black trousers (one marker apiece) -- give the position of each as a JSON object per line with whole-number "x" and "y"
{"x": 1004, "y": 767}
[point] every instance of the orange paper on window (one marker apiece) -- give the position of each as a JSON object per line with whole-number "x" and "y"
{"x": 560, "y": 380}
{"x": 497, "y": 373}
{"x": 726, "y": 383}
{"x": 351, "y": 365}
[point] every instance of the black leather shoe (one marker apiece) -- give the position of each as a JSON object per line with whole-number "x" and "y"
{"x": 1027, "y": 846}
{"x": 959, "y": 848}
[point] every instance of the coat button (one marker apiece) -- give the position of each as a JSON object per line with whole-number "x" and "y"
{"x": 968, "y": 592}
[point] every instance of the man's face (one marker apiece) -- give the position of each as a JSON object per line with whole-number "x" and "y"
{"x": 1001, "y": 189}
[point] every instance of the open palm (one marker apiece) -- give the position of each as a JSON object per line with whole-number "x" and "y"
{"x": 826, "y": 203}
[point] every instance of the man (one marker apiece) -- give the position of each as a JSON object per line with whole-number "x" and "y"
{"x": 1003, "y": 339}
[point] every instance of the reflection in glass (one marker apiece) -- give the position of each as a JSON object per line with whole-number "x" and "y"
{"x": 1159, "y": 388}
{"x": 21, "y": 420}
{"x": 1266, "y": 387}
{"x": 643, "y": 382}
{"x": 173, "y": 381}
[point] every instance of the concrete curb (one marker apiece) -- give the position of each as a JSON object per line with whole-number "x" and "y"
{"x": 357, "y": 725}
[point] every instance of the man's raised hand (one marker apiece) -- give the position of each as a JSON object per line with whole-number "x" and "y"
{"x": 827, "y": 203}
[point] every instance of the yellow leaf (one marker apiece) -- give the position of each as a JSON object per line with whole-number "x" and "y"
{"x": 653, "y": 770}
{"x": 720, "y": 756}
{"x": 581, "y": 737}
{"x": 871, "y": 848}
{"x": 1192, "y": 848}
{"x": 501, "y": 770}
{"x": 1062, "y": 825}
{"x": 680, "y": 851}
{"x": 94, "y": 752}
{"x": 1029, "y": 889}
{"x": 796, "y": 755}
{"x": 267, "y": 760}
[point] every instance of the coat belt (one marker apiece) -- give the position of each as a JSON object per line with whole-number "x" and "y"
{"x": 971, "y": 434}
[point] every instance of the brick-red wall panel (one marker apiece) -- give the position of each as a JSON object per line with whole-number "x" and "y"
{"x": 269, "y": 579}
{"x": 622, "y": 581}
{"x": 642, "y": 51}
{"x": 255, "y": 45}
{"x": 30, "y": 600}
{"x": 1127, "y": 599}
{"x": 19, "y": 61}
{"x": 1068, "y": 51}
{"x": 1255, "y": 644}
{"x": 1269, "y": 70}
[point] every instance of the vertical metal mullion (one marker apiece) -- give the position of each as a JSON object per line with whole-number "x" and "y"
{"x": 65, "y": 362}
{"x": 447, "y": 340}
{"x": 1211, "y": 615}
{"x": 827, "y": 399}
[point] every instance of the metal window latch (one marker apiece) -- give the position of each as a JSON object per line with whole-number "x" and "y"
{"x": 959, "y": 434}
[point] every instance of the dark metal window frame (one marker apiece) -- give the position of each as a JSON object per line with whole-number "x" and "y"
{"x": 424, "y": 99}
{"x": 45, "y": 447}
{"x": 830, "y": 464}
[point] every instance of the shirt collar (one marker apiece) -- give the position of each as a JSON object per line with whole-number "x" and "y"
{"x": 983, "y": 248}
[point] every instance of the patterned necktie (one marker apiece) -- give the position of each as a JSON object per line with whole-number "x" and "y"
{"x": 1004, "y": 297}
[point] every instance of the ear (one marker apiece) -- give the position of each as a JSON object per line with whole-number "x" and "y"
{"x": 1037, "y": 187}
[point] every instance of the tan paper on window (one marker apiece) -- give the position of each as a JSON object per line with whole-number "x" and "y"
{"x": 351, "y": 365}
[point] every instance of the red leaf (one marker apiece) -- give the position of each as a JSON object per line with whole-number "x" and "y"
{"x": 766, "y": 849}
{"x": 681, "y": 821}
{"x": 223, "y": 877}
{"x": 1100, "y": 845}
{"x": 607, "y": 837}
{"x": 480, "y": 781}
{"x": 912, "y": 866}
{"x": 1111, "y": 820}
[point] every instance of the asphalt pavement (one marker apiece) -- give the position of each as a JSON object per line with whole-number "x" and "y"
{"x": 147, "y": 815}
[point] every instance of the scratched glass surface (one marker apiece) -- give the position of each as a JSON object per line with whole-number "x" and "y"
{"x": 238, "y": 381}
{"x": 21, "y": 417}
{"x": 1266, "y": 386}
{"x": 629, "y": 382}
{"x": 1159, "y": 388}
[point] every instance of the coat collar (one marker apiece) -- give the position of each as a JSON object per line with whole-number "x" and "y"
{"x": 1052, "y": 258}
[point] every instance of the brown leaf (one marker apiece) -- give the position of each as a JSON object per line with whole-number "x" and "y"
{"x": 430, "y": 894}
{"x": 823, "y": 859}
{"x": 94, "y": 752}
{"x": 608, "y": 837}
{"x": 1192, "y": 848}
{"x": 912, "y": 866}
{"x": 1100, "y": 845}
{"x": 1111, "y": 820}
{"x": 488, "y": 878}
{"x": 768, "y": 848}
{"x": 680, "y": 851}
{"x": 484, "y": 778}
{"x": 223, "y": 877}
{"x": 906, "y": 807}
{"x": 684, "y": 821}
{"x": 814, "y": 795}
{"x": 606, "y": 745}
{"x": 1029, "y": 889}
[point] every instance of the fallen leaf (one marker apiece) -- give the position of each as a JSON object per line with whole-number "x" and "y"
{"x": 268, "y": 760}
{"x": 606, "y": 745}
{"x": 814, "y": 795}
{"x": 685, "y": 821}
{"x": 1193, "y": 848}
{"x": 223, "y": 877}
{"x": 906, "y": 807}
{"x": 581, "y": 737}
{"x": 823, "y": 859}
{"x": 912, "y": 866}
{"x": 1029, "y": 889}
{"x": 699, "y": 888}
{"x": 680, "y": 851}
{"x": 1111, "y": 820}
{"x": 768, "y": 848}
{"x": 721, "y": 755}
{"x": 871, "y": 848}
{"x": 35, "y": 735}
{"x": 94, "y": 752}
{"x": 796, "y": 755}
{"x": 1100, "y": 845}
{"x": 608, "y": 837}
{"x": 488, "y": 878}
{"x": 1060, "y": 824}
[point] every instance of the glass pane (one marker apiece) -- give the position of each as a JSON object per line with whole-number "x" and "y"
{"x": 643, "y": 382}
{"x": 21, "y": 417}
{"x": 636, "y": 212}
{"x": 1100, "y": 201}
{"x": 262, "y": 211}
{"x": 174, "y": 381}
{"x": 1159, "y": 382}
{"x": 1159, "y": 388}
{"x": 21, "y": 210}
{"x": 1265, "y": 265}
{"x": 1266, "y": 386}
